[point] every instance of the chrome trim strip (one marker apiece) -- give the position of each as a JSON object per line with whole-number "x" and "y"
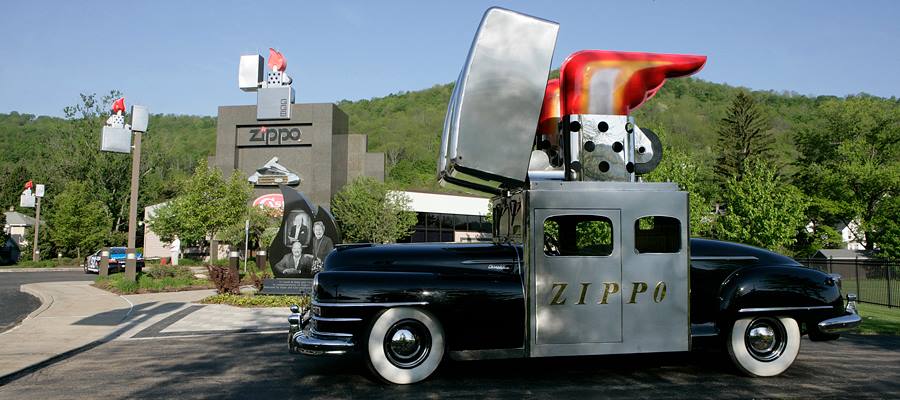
{"x": 395, "y": 304}
{"x": 490, "y": 354}
{"x": 313, "y": 331}
{"x": 763, "y": 309}
{"x": 324, "y": 319}
{"x": 468, "y": 262}
{"x": 724, "y": 258}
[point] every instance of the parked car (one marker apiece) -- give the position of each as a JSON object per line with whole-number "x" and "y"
{"x": 117, "y": 257}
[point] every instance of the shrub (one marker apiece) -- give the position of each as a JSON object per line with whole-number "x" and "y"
{"x": 257, "y": 300}
{"x": 169, "y": 271}
{"x": 152, "y": 281}
{"x": 225, "y": 279}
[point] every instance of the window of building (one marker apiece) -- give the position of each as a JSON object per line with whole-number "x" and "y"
{"x": 439, "y": 227}
{"x": 578, "y": 235}
{"x": 657, "y": 234}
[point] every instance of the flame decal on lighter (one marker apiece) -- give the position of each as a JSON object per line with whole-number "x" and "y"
{"x": 277, "y": 62}
{"x": 118, "y": 106}
{"x": 617, "y": 82}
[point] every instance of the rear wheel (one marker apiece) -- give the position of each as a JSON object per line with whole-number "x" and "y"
{"x": 764, "y": 346}
{"x": 405, "y": 345}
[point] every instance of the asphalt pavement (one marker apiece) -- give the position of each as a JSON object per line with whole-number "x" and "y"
{"x": 246, "y": 366}
{"x": 87, "y": 343}
{"x": 16, "y": 305}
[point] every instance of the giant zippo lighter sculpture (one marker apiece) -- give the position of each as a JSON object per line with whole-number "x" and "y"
{"x": 274, "y": 94}
{"x": 585, "y": 131}
{"x": 569, "y": 152}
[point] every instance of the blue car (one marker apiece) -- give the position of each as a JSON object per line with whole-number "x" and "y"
{"x": 117, "y": 256}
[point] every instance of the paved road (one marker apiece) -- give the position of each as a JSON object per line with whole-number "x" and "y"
{"x": 258, "y": 366}
{"x": 17, "y": 305}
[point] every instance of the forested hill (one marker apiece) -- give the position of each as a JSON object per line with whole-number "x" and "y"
{"x": 406, "y": 126}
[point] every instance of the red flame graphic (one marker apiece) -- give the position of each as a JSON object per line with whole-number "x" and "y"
{"x": 28, "y": 185}
{"x": 618, "y": 82}
{"x": 118, "y": 105}
{"x": 276, "y": 61}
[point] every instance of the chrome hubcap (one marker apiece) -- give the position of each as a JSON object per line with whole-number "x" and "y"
{"x": 762, "y": 338}
{"x": 765, "y": 338}
{"x": 404, "y": 343}
{"x": 407, "y": 343}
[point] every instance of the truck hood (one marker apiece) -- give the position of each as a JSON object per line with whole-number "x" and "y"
{"x": 448, "y": 258}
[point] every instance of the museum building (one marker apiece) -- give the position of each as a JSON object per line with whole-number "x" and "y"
{"x": 314, "y": 153}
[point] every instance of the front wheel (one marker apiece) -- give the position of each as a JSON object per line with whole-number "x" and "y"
{"x": 764, "y": 346}
{"x": 405, "y": 345}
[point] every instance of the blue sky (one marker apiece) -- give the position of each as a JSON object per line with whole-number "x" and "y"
{"x": 181, "y": 56}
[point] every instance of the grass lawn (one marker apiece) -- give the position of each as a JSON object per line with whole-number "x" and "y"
{"x": 873, "y": 290}
{"x": 879, "y": 320}
{"x": 52, "y": 263}
{"x": 154, "y": 280}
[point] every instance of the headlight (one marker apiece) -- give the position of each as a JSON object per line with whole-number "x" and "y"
{"x": 837, "y": 279}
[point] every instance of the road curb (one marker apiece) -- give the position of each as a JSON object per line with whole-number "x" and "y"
{"x": 46, "y": 301}
{"x": 65, "y": 269}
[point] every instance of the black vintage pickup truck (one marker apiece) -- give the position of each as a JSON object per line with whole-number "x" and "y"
{"x": 405, "y": 306}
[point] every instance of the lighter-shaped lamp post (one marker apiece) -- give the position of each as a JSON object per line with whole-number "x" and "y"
{"x": 29, "y": 199}
{"x": 117, "y": 137}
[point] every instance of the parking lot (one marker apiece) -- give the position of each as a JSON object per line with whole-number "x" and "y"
{"x": 257, "y": 365}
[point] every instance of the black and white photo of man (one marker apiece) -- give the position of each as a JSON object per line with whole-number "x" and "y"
{"x": 321, "y": 244}
{"x": 298, "y": 230}
{"x": 295, "y": 264}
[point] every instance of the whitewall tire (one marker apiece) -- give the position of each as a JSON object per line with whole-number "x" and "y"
{"x": 405, "y": 345}
{"x": 764, "y": 346}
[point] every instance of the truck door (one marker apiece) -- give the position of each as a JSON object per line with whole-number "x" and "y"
{"x": 577, "y": 281}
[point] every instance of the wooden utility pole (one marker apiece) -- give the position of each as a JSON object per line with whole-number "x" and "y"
{"x": 36, "y": 252}
{"x": 131, "y": 258}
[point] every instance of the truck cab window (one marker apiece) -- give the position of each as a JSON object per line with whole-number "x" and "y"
{"x": 578, "y": 235}
{"x": 657, "y": 234}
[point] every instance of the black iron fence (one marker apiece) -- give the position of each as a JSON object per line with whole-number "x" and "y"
{"x": 874, "y": 281}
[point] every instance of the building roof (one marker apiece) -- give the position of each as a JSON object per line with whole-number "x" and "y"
{"x": 150, "y": 211}
{"x": 447, "y": 204}
{"x": 18, "y": 219}
{"x": 840, "y": 254}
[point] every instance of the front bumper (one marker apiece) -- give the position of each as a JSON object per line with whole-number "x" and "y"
{"x": 302, "y": 339}
{"x": 843, "y": 323}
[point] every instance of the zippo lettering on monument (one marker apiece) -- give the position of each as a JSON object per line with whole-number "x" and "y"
{"x": 609, "y": 288}
{"x": 271, "y": 136}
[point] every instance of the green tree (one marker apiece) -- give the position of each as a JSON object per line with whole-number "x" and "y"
{"x": 206, "y": 204}
{"x": 79, "y": 220}
{"x": 4, "y": 235}
{"x": 888, "y": 223}
{"x": 264, "y": 223}
{"x": 743, "y": 135}
{"x": 818, "y": 237}
{"x": 762, "y": 210}
{"x": 692, "y": 177}
{"x": 368, "y": 211}
{"x": 849, "y": 165}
